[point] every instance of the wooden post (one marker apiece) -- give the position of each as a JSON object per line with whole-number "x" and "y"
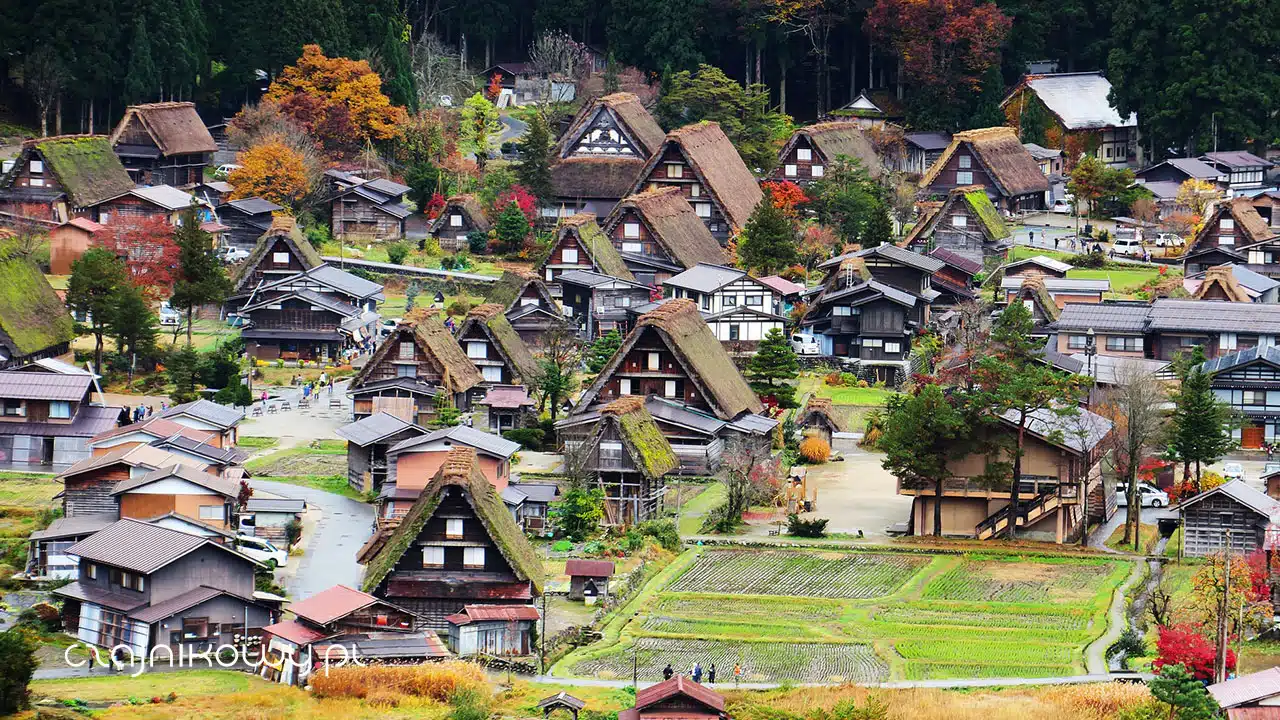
{"x": 1220, "y": 659}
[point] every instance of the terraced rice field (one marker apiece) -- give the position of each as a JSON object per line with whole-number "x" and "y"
{"x": 799, "y": 574}
{"x": 762, "y": 662}
{"x": 862, "y": 617}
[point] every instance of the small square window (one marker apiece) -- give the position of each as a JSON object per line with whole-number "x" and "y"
{"x": 36, "y": 182}
{"x": 966, "y": 162}
{"x": 754, "y": 301}
{"x": 632, "y": 247}
{"x": 816, "y": 171}
{"x": 60, "y": 410}
{"x": 36, "y": 166}
{"x": 406, "y": 350}
{"x": 675, "y": 170}
{"x": 455, "y": 221}
{"x": 1077, "y": 342}
{"x": 1227, "y": 223}
{"x": 433, "y": 557}
{"x": 630, "y": 230}
{"x": 669, "y": 389}
{"x": 893, "y": 347}
{"x": 964, "y": 177}
{"x": 703, "y": 209}
{"x": 790, "y": 171}
{"x": 804, "y": 154}
{"x": 213, "y": 512}
{"x": 569, "y": 255}
{"x": 473, "y": 557}
{"x": 654, "y": 361}
{"x": 695, "y": 190}
{"x": 477, "y": 350}
{"x": 959, "y": 221}
{"x": 453, "y": 527}
{"x": 624, "y": 386}
{"x": 280, "y": 258}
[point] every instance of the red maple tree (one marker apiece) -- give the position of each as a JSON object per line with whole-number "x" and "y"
{"x": 942, "y": 43}
{"x": 523, "y": 199}
{"x": 435, "y": 205}
{"x": 495, "y": 87}
{"x": 1183, "y": 645}
{"x": 148, "y": 249}
{"x": 786, "y": 195}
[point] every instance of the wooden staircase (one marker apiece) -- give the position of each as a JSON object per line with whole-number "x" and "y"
{"x": 998, "y": 522}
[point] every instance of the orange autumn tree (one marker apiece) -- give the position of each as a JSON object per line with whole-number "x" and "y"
{"x": 338, "y": 100}
{"x": 270, "y": 170}
{"x": 787, "y": 196}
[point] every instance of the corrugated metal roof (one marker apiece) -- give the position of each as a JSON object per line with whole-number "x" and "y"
{"x": 140, "y": 546}
{"x": 157, "y": 427}
{"x": 280, "y": 505}
{"x": 899, "y": 255}
{"x": 73, "y": 526}
{"x": 538, "y": 492}
{"x": 178, "y": 603}
{"x": 929, "y": 140}
{"x": 213, "y": 453}
{"x": 956, "y": 260}
{"x": 679, "y": 685}
{"x": 328, "y": 605}
{"x": 1215, "y": 316}
{"x": 89, "y": 421}
{"x": 367, "y": 431}
{"x": 507, "y": 397}
{"x": 463, "y": 435}
{"x": 166, "y": 196}
{"x": 513, "y": 496}
{"x": 19, "y": 385}
{"x": 1041, "y": 260}
{"x": 338, "y": 279}
{"x": 483, "y": 613}
{"x": 705, "y": 278}
{"x": 1269, "y": 353}
{"x": 145, "y": 456}
{"x": 253, "y": 206}
{"x": 1103, "y": 317}
{"x": 210, "y": 412}
{"x": 1237, "y": 159}
{"x": 1064, "y": 431}
{"x": 122, "y": 601}
{"x": 1247, "y": 688}
{"x": 1080, "y": 99}
{"x": 295, "y": 632}
{"x": 1242, "y": 493}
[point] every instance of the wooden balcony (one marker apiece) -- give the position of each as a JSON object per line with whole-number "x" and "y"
{"x": 1068, "y": 493}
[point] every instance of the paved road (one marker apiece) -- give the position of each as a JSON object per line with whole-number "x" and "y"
{"x": 969, "y": 683}
{"x": 329, "y": 557}
{"x": 512, "y": 128}
{"x": 407, "y": 269}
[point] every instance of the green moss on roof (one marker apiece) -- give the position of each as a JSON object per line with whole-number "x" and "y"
{"x": 987, "y": 214}
{"x": 31, "y": 314}
{"x": 86, "y": 168}
{"x": 649, "y": 448}
{"x": 602, "y": 252}
{"x": 281, "y": 227}
{"x": 461, "y": 469}
{"x": 508, "y": 340}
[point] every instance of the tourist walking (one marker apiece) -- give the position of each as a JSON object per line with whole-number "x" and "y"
{"x": 711, "y": 674}
{"x": 667, "y": 672}
{"x": 737, "y": 673}
{"x": 697, "y": 672}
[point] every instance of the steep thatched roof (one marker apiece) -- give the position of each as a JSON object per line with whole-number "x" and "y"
{"x": 491, "y": 317}
{"x": 1224, "y": 278}
{"x": 458, "y": 373}
{"x": 1033, "y": 289}
{"x": 840, "y": 137}
{"x": 631, "y": 116}
{"x": 282, "y": 226}
{"x": 469, "y": 206}
{"x": 85, "y": 167}
{"x": 929, "y": 214}
{"x": 1006, "y": 161}
{"x": 595, "y": 177}
{"x": 175, "y": 127}
{"x": 596, "y": 244}
{"x": 1249, "y": 221}
{"x": 682, "y": 328}
{"x": 460, "y": 469}
{"x": 649, "y": 448}
{"x": 988, "y": 217}
{"x": 32, "y": 317}
{"x": 820, "y": 409}
{"x": 718, "y": 165}
{"x": 508, "y": 289}
{"x": 675, "y": 226}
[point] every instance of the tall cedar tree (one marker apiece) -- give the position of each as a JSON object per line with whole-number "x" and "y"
{"x": 768, "y": 241}
{"x": 201, "y": 279}
{"x": 1199, "y": 431}
{"x": 604, "y": 348}
{"x": 513, "y": 227}
{"x": 744, "y": 113}
{"x": 879, "y": 228}
{"x": 611, "y": 83}
{"x": 17, "y": 666}
{"x": 133, "y": 325}
{"x": 534, "y": 170}
{"x": 922, "y": 432}
{"x": 94, "y": 288}
{"x": 771, "y": 366}
{"x": 1015, "y": 381}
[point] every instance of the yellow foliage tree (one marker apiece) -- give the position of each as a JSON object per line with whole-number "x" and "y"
{"x": 270, "y": 170}
{"x": 338, "y": 100}
{"x": 1195, "y": 195}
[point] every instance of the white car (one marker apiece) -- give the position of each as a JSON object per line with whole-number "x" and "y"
{"x": 262, "y": 550}
{"x": 1061, "y": 207}
{"x": 234, "y": 254}
{"x": 224, "y": 170}
{"x": 1233, "y": 471}
{"x": 805, "y": 344}
{"x": 1148, "y": 496}
{"x": 168, "y": 316}
{"x": 1165, "y": 239}
{"x": 1129, "y": 246}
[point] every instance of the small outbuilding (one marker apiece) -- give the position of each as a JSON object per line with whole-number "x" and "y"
{"x": 588, "y": 579}
{"x": 492, "y": 630}
{"x": 820, "y": 418}
{"x": 561, "y": 701}
{"x": 1232, "y": 510}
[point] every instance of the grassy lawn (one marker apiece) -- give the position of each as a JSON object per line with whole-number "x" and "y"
{"x": 1022, "y": 252}
{"x": 377, "y": 252}
{"x": 1148, "y": 535}
{"x": 254, "y": 442}
{"x": 315, "y": 447}
{"x": 824, "y": 616}
{"x": 865, "y": 397}
{"x": 336, "y": 484}
{"x": 122, "y": 687}
{"x": 29, "y": 490}
{"x": 281, "y": 376}
{"x": 1123, "y": 282}
{"x": 1258, "y": 655}
{"x": 692, "y": 512}
{"x": 394, "y": 306}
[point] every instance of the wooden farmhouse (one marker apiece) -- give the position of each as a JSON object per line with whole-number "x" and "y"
{"x": 415, "y": 362}
{"x": 246, "y": 220}
{"x": 221, "y": 421}
{"x": 966, "y": 223}
{"x": 1232, "y": 516}
{"x": 461, "y": 216}
{"x": 600, "y": 156}
{"x": 993, "y": 159}
{"x": 180, "y": 489}
{"x": 34, "y": 323}
{"x": 88, "y": 485}
{"x": 1079, "y": 112}
{"x": 671, "y": 355}
{"x": 163, "y": 143}
{"x": 146, "y": 203}
{"x": 701, "y": 161}
{"x": 48, "y": 418}
{"x": 679, "y": 697}
{"x": 740, "y": 309}
{"x": 488, "y": 630}
{"x": 811, "y": 149}
{"x": 954, "y": 281}
{"x": 529, "y": 306}
{"x": 63, "y": 177}
{"x": 368, "y": 440}
{"x": 303, "y": 325}
{"x": 659, "y": 235}
{"x": 281, "y": 252}
{"x": 594, "y": 303}
{"x": 1060, "y": 465}
{"x": 323, "y": 279}
{"x": 1234, "y": 232}
{"x": 458, "y": 546}
{"x": 151, "y": 430}
{"x": 581, "y": 245}
{"x": 627, "y": 453}
{"x": 370, "y": 210}
{"x": 493, "y": 346}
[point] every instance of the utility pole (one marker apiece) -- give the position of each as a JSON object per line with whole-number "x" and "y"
{"x": 1220, "y": 659}
{"x": 542, "y": 639}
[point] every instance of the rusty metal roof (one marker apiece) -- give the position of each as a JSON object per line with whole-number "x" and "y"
{"x": 328, "y": 605}
{"x": 588, "y": 568}
{"x": 483, "y": 613}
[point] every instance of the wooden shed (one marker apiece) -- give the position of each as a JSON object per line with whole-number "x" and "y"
{"x": 588, "y": 578}
{"x": 1232, "y": 510}
{"x": 820, "y": 416}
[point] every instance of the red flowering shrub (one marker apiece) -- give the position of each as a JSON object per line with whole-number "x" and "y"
{"x": 1183, "y": 645}
{"x": 523, "y": 199}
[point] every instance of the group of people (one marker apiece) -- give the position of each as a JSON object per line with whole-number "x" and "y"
{"x": 696, "y": 673}
{"x": 141, "y": 412}
{"x": 313, "y": 387}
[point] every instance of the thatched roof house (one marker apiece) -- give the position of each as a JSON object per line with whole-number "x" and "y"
{"x": 489, "y": 321}
{"x": 671, "y": 223}
{"x": 599, "y": 157}
{"x": 470, "y": 217}
{"x": 284, "y": 236}
{"x": 80, "y": 168}
{"x": 591, "y": 250}
{"x": 33, "y": 321}
{"x": 981, "y": 221}
{"x": 994, "y": 159}
{"x": 513, "y": 285}
{"x": 1230, "y": 229}
{"x": 174, "y": 127}
{"x": 1043, "y": 308}
{"x": 716, "y": 165}
{"x": 826, "y": 141}
{"x": 456, "y": 373}
{"x": 649, "y": 449}
{"x": 820, "y": 413}
{"x": 1221, "y": 284}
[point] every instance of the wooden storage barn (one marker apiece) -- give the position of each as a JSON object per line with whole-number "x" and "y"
{"x": 370, "y": 210}
{"x": 588, "y": 578}
{"x": 461, "y": 216}
{"x": 163, "y": 143}
{"x": 1232, "y": 507}
{"x": 368, "y": 440}
{"x": 628, "y": 453}
{"x": 966, "y": 223}
{"x": 493, "y": 630}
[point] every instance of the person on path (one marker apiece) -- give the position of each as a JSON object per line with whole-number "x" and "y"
{"x": 696, "y": 673}
{"x": 711, "y": 674}
{"x": 737, "y": 673}
{"x": 330, "y": 384}
{"x": 1055, "y": 244}
{"x": 667, "y": 672}
{"x": 264, "y": 397}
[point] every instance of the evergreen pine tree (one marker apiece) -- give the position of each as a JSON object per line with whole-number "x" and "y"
{"x": 1199, "y": 430}
{"x": 602, "y": 350}
{"x": 774, "y": 361}
{"x": 94, "y": 287}
{"x": 182, "y": 366}
{"x": 534, "y": 170}
{"x": 397, "y": 81}
{"x": 1186, "y": 696}
{"x": 133, "y": 325}
{"x": 512, "y": 228}
{"x": 986, "y": 111}
{"x": 768, "y": 241}
{"x": 879, "y": 228}
{"x": 141, "y": 79}
{"x": 201, "y": 279}
{"x": 611, "y": 75}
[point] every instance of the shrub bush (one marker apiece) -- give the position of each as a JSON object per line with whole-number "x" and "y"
{"x": 458, "y": 308}
{"x": 529, "y": 438}
{"x": 663, "y": 532}
{"x": 806, "y": 528}
{"x": 441, "y": 682}
{"x": 397, "y": 253}
{"x": 1092, "y": 260}
{"x": 815, "y": 450}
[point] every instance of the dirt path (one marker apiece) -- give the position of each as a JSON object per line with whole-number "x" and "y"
{"x": 1095, "y": 656}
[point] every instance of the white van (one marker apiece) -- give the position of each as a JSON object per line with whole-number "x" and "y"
{"x": 169, "y": 316}
{"x": 805, "y": 344}
{"x": 1129, "y": 246}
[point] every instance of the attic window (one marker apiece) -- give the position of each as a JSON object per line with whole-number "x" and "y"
{"x": 655, "y": 361}
{"x": 453, "y": 527}
{"x": 631, "y": 230}
{"x": 675, "y": 170}
{"x": 36, "y": 166}
{"x": 1227, "y": 224}
{"x": 695, "y": 190}
{"x": 959, "y": 221}
{"x": 280, "y": 258}
{"x": 790, "y": 170}
{"x": 406, "y": 350}
{"x": 432, "y": 557}
{"x": 473, "y": 558}
{"x": 804, "y": 154}
{"x": 36, "y": 182}
{"x": 966, "y": 162}
{"x": 964, "y": 177}
{"x": 703, "y": 209}
{"x": 455, "y": 221}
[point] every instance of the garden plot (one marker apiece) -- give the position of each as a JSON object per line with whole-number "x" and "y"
{"x": 747, "y": 609}
{"x": 801, "y": 574}
{"x": 761, "y": 661}
{"x": 1022, "y": 581}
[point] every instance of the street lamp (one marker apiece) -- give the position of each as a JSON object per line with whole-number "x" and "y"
{"x": 1090, "y": 349}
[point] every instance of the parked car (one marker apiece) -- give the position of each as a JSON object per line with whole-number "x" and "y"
{"x": 1061, "y": 206}
{"x": 262, "y": 550}
{"x": 1233, "y": 471}
{"x": 1129, "y": 246}
{"x": 388, "y": 326}
{"x": 1148, "y": 496}
{"x": 1165, "y": 239}
{"x": 169, "y": 316}
{"x": 805, "y": 344}
{"x": 234, "y": 254}
{"x": 224, "y": 170}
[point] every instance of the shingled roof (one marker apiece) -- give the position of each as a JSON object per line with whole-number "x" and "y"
{"x": 281, "y": 227}
{"x": 680, "y": 324}
{"x": 508, "y": 342}
{"x": 85, "y": 167}
{"x": 631, "y": 116}
{"x": 674, "y": 225}
{"x": 836, "y": 138}
{"x": 460, "y": 469}
{"x": 649, "y": 449}
{"x": 718, "y": 165}
{"x": 458, "y": 373}
{"x": 1006, "y": 161}
{"x": 32, "y": 317}
{"x": 175, "y": 127}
